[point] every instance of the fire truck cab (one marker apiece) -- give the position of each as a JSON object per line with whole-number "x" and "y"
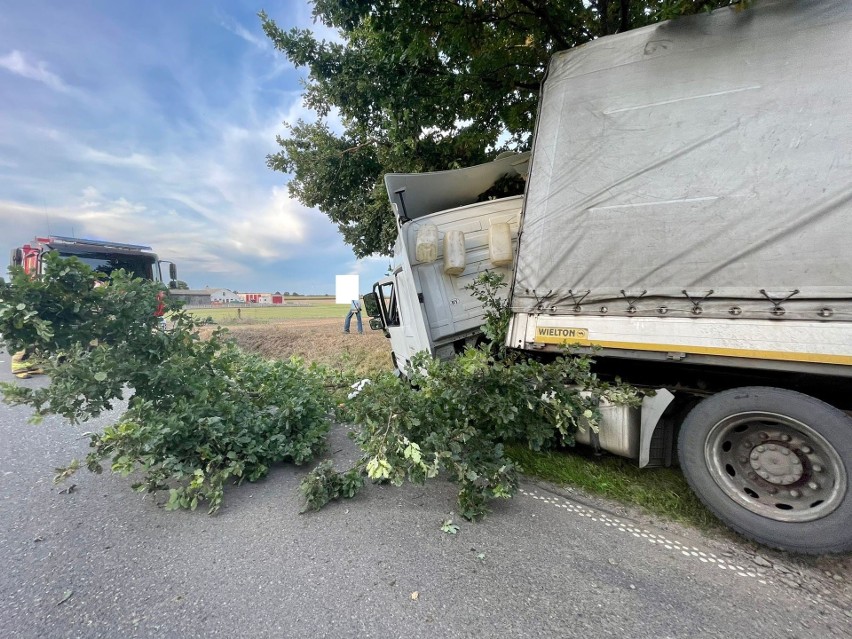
{"x": 104, "y": 257}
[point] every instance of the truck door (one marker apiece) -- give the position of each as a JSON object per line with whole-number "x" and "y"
{"x": 399, "y": 309}
{"x": 411, "y": 334}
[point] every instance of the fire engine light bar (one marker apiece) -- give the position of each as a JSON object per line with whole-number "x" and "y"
{"x": 59, "y": 239}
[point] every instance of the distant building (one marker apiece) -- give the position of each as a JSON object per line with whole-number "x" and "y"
{"x": 256, "y": 298}
{"x": 191, "y": 297}
{"x": 224, "y": 296}
{"x": 259, "y": 298}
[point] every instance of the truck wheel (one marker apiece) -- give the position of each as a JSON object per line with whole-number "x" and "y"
{"x": 774, "y": 465}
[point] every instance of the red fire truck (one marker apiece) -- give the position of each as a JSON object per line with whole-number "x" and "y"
{"x": 103, "y": 257}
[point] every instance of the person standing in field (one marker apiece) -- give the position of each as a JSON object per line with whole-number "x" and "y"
{"x": 355, "y": 310}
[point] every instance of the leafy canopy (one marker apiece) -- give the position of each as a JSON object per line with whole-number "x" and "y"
{"x": 425, "y": 85}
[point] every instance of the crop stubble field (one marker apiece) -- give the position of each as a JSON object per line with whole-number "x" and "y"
{"x": 312, "y": 331}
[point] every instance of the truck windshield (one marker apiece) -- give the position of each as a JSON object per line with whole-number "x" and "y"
{"x": 138, "y": 265}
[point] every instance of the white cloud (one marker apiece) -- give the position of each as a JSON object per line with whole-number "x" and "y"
{"x": 258, "y": 40}
{"x": 137, "y": 160}
{"x": 91, "y": 193}
{"x": 172, "y": 153}
{"x": 369, "y": 264}
{"x": 211, "y": 206}
{"x": 191, "y": 203}
{"x": 16, "y": 62}
{"x": 121, "y": 220}
{"x": 271, "y": 231}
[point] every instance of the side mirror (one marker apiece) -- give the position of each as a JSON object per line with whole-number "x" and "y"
{"x": 172, "y": 271}
{"x": 17, "y": 257}
{"x": 376, "y": 324}
{"x": 371, "y": 305}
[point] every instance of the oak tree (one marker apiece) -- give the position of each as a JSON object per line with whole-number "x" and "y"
{"x": 424, "y": 85}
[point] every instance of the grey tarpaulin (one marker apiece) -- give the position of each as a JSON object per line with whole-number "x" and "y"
{"x": 708, "y": 153}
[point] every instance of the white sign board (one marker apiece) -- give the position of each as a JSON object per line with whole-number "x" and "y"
{"x": 346, "y": 289}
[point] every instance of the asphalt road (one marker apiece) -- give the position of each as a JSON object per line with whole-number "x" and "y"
{"x": 102, "y": 561}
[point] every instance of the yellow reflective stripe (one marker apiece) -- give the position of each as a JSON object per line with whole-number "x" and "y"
{"x": 817, "y": 358}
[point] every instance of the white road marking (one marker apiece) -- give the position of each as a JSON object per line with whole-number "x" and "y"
{"x": 691, "y": 552}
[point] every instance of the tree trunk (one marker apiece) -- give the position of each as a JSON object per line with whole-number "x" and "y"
{"x": 625, "y": 16}
{"x": 603, "y": 11}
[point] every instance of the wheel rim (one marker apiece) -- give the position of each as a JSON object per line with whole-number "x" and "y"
{"x": 775, "y": 466}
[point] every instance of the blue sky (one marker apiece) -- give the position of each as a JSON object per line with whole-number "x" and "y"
{"x": 150, "y": 122}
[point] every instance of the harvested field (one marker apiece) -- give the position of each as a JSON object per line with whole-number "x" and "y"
{"x": 308, "y": 309}
{"x": 316, "y": 340}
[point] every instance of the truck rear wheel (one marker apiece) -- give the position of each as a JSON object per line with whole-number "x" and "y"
{"x": 774, "y": 465}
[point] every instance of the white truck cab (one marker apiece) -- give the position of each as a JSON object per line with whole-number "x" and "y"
{"x": 424, "y": 304}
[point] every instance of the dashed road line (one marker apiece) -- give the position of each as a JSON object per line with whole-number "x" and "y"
{"x": 661, "y": 541}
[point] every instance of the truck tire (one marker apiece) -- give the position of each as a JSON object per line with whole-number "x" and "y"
{"x": 774, "y": 465}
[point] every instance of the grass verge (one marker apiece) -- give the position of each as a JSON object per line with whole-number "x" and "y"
{"x": 228, "y": 316}
{"x": 661, "y": 491}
